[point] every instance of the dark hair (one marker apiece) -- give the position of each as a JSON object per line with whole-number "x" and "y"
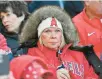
{"x": 18, "y": 7}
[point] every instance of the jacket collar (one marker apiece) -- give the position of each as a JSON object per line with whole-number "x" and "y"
{"x": 49, "y": 52}
{"x": 94, "y": 22}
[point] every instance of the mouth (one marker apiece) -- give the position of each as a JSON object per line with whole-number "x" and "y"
{"x": 53, "y": 43}
{"x": 6, "y": 26}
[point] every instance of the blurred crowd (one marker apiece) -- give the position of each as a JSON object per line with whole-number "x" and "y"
{"x": 51, "y": 39}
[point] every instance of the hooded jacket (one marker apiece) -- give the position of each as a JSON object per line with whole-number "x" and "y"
{"x": 73, "y": 61}
{"x": 29, "y": 31}
{"x": 13, "y": 41}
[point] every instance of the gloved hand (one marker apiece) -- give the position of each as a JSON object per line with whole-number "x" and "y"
{"x": 63, "y": 74}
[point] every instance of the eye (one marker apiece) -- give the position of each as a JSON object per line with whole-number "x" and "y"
{"x": 47, "y": 31}
{"x": 58, "y": 30}
{"x": 1, "y": 17}
{"x": 8, "y": 14}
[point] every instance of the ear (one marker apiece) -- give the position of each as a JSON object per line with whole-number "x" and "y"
{"x": 21, "y": 18}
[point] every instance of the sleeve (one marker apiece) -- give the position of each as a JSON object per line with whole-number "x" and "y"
{"x": 4, "y": 49}
{"x": 88, "y": 71}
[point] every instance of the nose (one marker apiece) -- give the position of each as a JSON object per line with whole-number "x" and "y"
{"x": 53, "y": 35}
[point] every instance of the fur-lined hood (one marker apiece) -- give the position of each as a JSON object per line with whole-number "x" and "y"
{"x": 29, "y": 31}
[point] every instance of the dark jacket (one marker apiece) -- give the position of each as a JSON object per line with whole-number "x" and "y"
{"x": 13, "y": 42}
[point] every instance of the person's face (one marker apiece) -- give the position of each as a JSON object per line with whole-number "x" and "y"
{"x": 10, "y": 20}
{"x": 52, "y": 37}
{"x": 94, "y": 6}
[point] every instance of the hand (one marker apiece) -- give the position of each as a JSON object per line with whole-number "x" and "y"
{"x": 63, "y": 74}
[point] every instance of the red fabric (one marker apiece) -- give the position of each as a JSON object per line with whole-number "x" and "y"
{"x": 36, "y": 71}
{"x": 29, "y": 67}
{"x": 73, "y": 61}
{"x": 4, "y": 49}
{"x": 90, "y": 31}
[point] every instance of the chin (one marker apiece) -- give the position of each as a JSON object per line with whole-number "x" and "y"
{"x": 11, "y": 30}
{"x": 53, "y": 48}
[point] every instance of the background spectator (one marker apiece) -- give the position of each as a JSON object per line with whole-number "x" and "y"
{"x": 72, "y": 7}
{"x": 13, "y": 14}
{"x": 89, "y": 27}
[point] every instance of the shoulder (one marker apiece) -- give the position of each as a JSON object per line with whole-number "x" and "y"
{"x": 32, "y": 50}
{"x": 77, "y": 18}
{"x": 2, "y": 40}
{"x": 79, "y": 21}
{"x": 2, "y": 37}
{"x": 76, "y": 54}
